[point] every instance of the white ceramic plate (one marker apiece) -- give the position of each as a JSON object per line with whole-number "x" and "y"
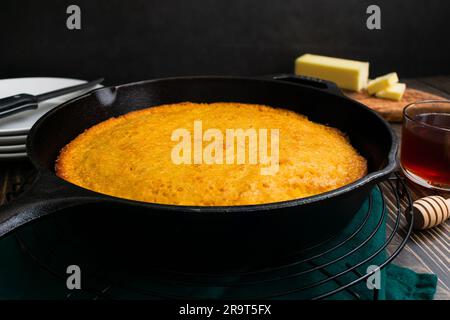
{"x": 12, "y": 140}
{"x": 13, "y": 156}
{"x": 12, "y": 149}
{"x": 21, "y": 123}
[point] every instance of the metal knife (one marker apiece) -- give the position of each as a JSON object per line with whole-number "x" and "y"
{"x": 23, "y": 101}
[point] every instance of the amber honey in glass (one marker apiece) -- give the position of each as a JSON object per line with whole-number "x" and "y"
{"x": 425, "y": 145}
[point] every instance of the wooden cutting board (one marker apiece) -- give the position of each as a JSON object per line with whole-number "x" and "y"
{"x": 392, "y": 110}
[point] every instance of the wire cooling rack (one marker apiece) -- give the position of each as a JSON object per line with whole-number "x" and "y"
{"x": 315, "y": 273}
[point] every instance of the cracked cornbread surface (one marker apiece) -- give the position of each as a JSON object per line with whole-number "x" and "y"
{"x": 130, "y": 157}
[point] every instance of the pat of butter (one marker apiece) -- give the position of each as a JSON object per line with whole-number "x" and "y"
{"x": 394, "y": 92}
{"x": 347, "y": 74}
{"x": 382, "y": 83}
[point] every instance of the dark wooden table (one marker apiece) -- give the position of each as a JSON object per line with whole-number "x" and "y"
{"x": 426, "y": 251}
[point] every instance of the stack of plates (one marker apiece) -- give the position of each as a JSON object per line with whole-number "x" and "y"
{"x": 14, "y": 128}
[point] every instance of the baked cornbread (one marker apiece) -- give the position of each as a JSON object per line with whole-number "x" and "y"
{"x": 130, "y": 157}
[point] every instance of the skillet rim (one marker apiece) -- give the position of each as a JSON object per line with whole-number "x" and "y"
{"x": 372, "y": 177}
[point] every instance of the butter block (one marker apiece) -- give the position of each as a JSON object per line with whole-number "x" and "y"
{"x": 382, "y": 83}
{"x": 347, "y": 74}
{"x": 394, "y": 92}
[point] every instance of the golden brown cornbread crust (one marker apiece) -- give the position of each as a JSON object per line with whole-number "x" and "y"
{"x": 130, "y": 157}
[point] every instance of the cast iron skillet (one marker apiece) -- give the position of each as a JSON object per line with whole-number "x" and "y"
{"x": 225, "y": 235}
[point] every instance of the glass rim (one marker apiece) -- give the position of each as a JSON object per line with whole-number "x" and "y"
{"x": 405, "y": 115}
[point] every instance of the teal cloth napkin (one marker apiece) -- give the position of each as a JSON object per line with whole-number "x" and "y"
{"x": 405, "y": 284}
{"x": 22, "y": 278}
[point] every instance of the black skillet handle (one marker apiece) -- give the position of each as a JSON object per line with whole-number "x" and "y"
{"x": 320, "y": 84}
{"x": 46, "y": 195}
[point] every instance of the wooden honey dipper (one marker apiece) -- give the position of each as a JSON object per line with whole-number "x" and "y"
{"x": 430, "y": 211}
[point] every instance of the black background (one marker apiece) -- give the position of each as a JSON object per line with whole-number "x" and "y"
{"x": 140, "y": 39}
